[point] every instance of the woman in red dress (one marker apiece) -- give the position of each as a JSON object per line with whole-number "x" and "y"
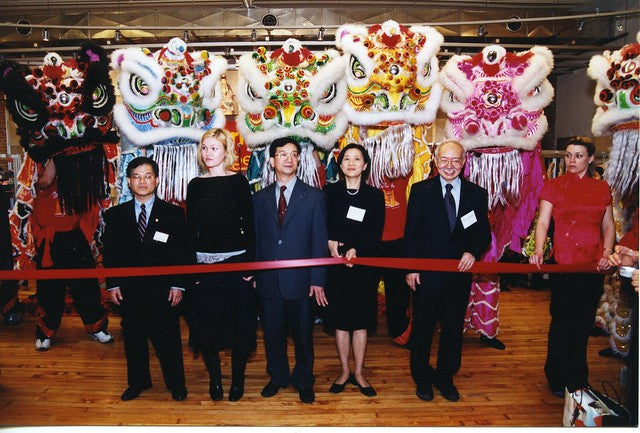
{"x": 584, "y": 233}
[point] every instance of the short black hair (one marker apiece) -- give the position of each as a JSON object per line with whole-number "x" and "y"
{"x": 283, "y": 141}
{"x": 142, "y": 160}
{"x": 365, "y": 156}
{"x": 582, "y": 140}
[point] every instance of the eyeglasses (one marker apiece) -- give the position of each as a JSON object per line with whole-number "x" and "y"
{"x": 455, "y": 162}
{"x": 285, "y": 155}
{"x": 138, "y": 178}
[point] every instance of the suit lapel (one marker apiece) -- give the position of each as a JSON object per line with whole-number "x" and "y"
{"x": 270, "y": 197}
{"x": 438, "y": 203}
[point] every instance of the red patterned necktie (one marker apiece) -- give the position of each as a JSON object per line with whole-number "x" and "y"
{"x": 282, "y": 205}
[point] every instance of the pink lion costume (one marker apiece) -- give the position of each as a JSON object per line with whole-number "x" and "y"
{"x": 494, "y": 102}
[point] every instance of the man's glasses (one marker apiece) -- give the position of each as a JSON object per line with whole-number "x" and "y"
{"x": 285, "y": 155}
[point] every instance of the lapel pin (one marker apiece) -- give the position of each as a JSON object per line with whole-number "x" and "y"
{"x": 156, "y": 220}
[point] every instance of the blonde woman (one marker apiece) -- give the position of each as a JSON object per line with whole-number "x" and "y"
{"x": 220, "y": 222}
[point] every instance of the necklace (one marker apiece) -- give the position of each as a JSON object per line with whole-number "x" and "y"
{"x": 353, "y": 193}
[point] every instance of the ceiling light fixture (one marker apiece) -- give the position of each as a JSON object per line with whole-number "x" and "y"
{"x": 481, "y": 31}
{"x": 185, "y": 36}
{"x": 46, "y": 35}
{"x": 118, "y": 35}
{"x": 254, "y": 35}
{"x": 321, "y": 34}
{"x": 580, "y": 25}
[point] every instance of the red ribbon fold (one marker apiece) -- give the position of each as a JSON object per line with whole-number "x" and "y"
{"x": 441, "y": 265}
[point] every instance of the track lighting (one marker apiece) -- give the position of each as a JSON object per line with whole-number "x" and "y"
{"x": 45, "y": 35}
{"x": 254, "y": 35}
{"x": 580, "y": 25}
{"x": 185, "y": 36}
{"x": 321, "y": 34}
{"x": 118, "y": 35}
{"x": 481, "y": 31}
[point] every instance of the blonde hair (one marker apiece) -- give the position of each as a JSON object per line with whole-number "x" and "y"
{"x": 224, "y": 137}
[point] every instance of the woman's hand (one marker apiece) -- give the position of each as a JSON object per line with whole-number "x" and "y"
{"x": 536, "y": 259}
{"x": 333, "y": 248}
{"x": 603, "y": 263}
{"x": 351, "y": 254}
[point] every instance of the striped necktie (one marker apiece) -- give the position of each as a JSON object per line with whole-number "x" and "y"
{"x": 142, "y": 221}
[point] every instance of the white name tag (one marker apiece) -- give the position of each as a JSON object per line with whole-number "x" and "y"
{"x": 356, "y": 213}
{"x": 160, "y": 237}
{"x": 468, "y": 219}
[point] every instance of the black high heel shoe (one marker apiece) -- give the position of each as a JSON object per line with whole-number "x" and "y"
{"x": 365, "y": 390}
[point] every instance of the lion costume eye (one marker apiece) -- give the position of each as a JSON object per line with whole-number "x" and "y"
{"x": 138, "y": 86}
{"x": 251, "y": 93}
{"x": 357, "y": 70}
{"x": 25, "y": 111}
{"x": 329, "y": 94}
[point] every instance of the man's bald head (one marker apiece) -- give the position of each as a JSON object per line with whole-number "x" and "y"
{"x": 449, "y": 143}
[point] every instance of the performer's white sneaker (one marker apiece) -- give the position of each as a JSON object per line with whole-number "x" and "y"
{"x": 43, "y": 344}
{"x": 102, "y": 337}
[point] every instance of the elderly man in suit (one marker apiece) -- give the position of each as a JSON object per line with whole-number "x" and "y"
{"x": 147, "y": 231}
{"x": 446, "y": 219}
{"x": 290, "y": 222}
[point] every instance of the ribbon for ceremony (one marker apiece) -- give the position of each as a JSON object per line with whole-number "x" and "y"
{"x": 441, "y": 265}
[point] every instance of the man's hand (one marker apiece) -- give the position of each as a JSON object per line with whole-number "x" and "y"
{"x": 175, "y": 296}
{"x": 318, "y": 292}
{"x": 412, "y": 280}
{"x": 116, "y": 295}
{"x": 623, "y": 256}
{"x": 351, "y": 254}
{"x": 466, "y": 262}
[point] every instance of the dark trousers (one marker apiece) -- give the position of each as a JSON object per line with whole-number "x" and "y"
{"x": 441, "y": 297}
{"x": 298, "y": 314}
{"x": 148, "y": 315}
{"x": 574, "y": 300}
{"x": 69, "y": 250}
{"x": 631, "y": 388}
{"x": 397, "y": 293}
{"x": 9, "y": 302}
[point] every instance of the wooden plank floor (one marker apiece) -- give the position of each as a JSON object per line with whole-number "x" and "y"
{"x": 79, "y": 382}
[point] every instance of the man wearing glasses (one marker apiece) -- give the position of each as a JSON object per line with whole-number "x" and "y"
{"x": 446, "y": 219}
{"x": 290, "y": 223}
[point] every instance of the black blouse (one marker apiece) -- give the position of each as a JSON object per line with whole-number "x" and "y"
{"x": 364, "y": 236}
{"x": 220, "y": 214}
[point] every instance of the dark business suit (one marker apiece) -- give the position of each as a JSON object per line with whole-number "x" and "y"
{"x": 442, "y": 296}
{"x": 145, "y": 309}
{"x": 284, "y": 293}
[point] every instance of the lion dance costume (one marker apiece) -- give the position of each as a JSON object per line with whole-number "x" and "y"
{"x": 494, "y": 102}
{"x": 291, "y": 92}
{"x": 617, "y": 98}
{"x": 169, "y": 99}
{"x": 63, "y": 113}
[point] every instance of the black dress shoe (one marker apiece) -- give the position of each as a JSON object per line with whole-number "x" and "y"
{"x": 307, "y": 395}
{"x": 448, "y": 391}
{"x": 179, "y": 394}
{"x": 558, "y": 391}
{"x": 270, "y": 389}
{"x": 365, "y": 390}
{"x": 425, "y": 392}
{"x": 215, "y": 390}
{"x": 236, "y": 392}
{"x": 132, "y": 392}
{"x": 491, "y": 342}
{"x": 337, "y": 388}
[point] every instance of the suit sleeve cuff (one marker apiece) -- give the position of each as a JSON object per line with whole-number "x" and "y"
{"x": 177, "y": 288}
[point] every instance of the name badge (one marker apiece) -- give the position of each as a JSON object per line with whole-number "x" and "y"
{"x": 469, "y": 219}
{"x": 356, "y": 213}
{"x": 160, "y": 237}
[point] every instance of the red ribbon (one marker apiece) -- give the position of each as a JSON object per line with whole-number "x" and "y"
{"x": 442, "y": 265}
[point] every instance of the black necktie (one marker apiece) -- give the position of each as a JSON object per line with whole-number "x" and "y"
{"x": 142, "y": 221}
{"x": 282, "y": 205}
{"x": 450, "y": 204}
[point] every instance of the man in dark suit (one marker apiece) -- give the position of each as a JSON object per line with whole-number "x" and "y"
{"x": 147, "y": 231}
{"x": 446, "y": 219}
{"x": 290, "y": 221}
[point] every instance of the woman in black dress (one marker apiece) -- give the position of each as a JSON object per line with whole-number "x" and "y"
{"x": 220, "y": 221}
{"x": 355, "y": 215}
